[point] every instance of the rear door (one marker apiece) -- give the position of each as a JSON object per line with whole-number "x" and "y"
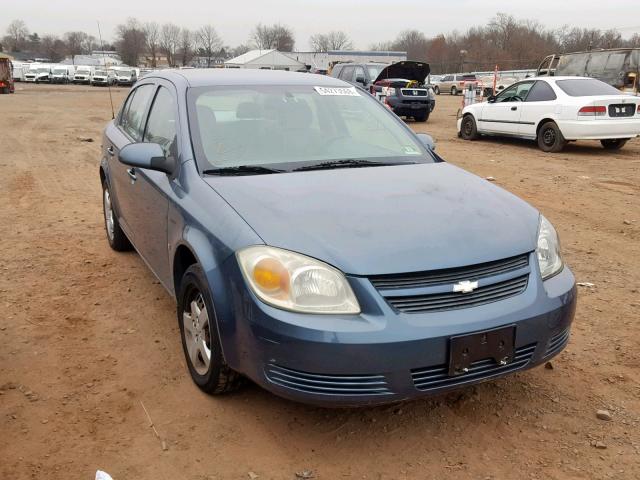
{"x": 503, "y": 115}
{"x": 128, "y": 128}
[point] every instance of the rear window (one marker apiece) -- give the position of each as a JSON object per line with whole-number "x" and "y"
{"x": 587, "y": 87}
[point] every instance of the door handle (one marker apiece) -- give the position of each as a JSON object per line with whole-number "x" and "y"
{"x": 132, "y": 174}
{"x": 514, "y": 108}
{"x": 110, "y": 150}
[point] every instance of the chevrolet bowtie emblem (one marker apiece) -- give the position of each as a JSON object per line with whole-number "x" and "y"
{"x": 465, "y": 286}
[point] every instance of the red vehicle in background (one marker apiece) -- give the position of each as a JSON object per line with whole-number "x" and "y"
{"x": 6, "y": 74}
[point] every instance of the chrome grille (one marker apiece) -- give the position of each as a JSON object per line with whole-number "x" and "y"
{"x": 410, "y": 92}
{"x": 453, "y": 300}
{"x": 432, "y": 378}
{"x": 450, "y": 275}
{"x": 327, "y": 384}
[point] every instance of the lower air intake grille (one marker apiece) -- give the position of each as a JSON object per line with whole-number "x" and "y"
{"x": 557, "y": 343}
{"x": 452, "y": 300}
{"x": 327, "y": 384}
{"x": 432, "y": 378}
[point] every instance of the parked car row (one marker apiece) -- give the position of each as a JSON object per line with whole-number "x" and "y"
{"x": 80, "y": 74}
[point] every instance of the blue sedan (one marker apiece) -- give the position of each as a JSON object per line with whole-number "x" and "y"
{"x": 317, "y": 246}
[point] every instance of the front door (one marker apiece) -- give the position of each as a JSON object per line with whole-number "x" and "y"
{"x": 503, "y": 115}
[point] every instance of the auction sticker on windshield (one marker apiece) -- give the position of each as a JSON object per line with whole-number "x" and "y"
{"x": 348, "y": 91}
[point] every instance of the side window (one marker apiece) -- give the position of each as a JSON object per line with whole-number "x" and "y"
{"x": 132, "y": 119}
{"x": 161, "y": 126}
{"x": 541, "y": 92}
{"x": 347, "y": 74}
{"x": 515, "y": 93}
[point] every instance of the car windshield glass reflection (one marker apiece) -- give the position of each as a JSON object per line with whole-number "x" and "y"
{"x": 295, "y": 126}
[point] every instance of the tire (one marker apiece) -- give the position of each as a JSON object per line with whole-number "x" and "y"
{"x": 4, "y": 90}
{"x": 613, "y": 143}
{"x": 436, "y": 90}
{"x": 468, "y": 128}
{"x": 423, "y": 117}
{"x": 200, "y": 339}
{"x": 117, "y": 239}
{"x": 550, "y": 138}
{"x": 454, "y": 90}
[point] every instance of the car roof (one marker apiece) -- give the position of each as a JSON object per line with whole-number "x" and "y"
{"x": 210, "y": 77}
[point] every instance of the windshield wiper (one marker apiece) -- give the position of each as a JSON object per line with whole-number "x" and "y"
{"x": 242, "y": 170}
{"x": 349, "y": 163}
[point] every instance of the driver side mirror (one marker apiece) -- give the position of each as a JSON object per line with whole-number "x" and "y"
{"x": 427, "y": 141}
{"x": 147, "y": 155}
{"x": 360, "y": 79}
{"x": 491, "y": 99}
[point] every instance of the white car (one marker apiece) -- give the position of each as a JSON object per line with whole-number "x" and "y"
{"x": 554, "y": 111}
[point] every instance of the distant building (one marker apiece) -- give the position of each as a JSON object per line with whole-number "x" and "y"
{"x": 325, "y": 60}
{"x": 98, "y": 60}
{"x": 266, "y": 59}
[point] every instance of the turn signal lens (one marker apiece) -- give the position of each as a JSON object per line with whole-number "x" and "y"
{"x": 271, "y": 276}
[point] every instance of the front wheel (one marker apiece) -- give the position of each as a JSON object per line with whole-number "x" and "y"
{"x": 436, "y": 90}
{"x": 468, "y": 128}
{"x": 613, "y": 143}
{"x": 550, "y": 138}
{"x": 200, "y": 339}
{"x": 454, "y": 91}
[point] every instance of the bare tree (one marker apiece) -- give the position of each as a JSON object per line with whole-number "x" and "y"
{"x": 75, "y": 43}
{"x": 187, "y": 41}
{"x": 239, "y": 50}
{"x": 275, "y": 36}
{"x": 17, "y": 34}
{"x": 152, "y": 35}
{"x": 131, "y": 41}
{"x": 52, "y": 47}
{"x": 335, "y": 40}
{"x": 208, "y": 42}
{"x": 169, "y": 41}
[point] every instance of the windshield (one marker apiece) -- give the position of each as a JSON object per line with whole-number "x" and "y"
{"x": 587, "y": 87}
{"x": 287, "y": 127}
{"x": 43, "y": 70}
{"x": 59, "y": 70}
{"x": 83, "y": 70}
{"x": 124, "y": 73}
{"x": 100, "y": 73}
{"x": 374, "y": 70}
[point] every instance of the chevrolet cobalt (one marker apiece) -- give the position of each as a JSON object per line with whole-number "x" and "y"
{"x": 317, "y": 246}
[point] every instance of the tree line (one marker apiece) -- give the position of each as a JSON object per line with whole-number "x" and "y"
{"x": 505, "y": 41}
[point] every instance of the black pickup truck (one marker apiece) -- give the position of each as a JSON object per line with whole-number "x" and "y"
{"x": 399, "y": 85}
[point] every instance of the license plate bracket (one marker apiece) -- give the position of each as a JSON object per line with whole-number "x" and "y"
{"x": 497, "y": 344}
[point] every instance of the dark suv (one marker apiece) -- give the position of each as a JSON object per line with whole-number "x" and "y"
{"x": 400, "y": 86}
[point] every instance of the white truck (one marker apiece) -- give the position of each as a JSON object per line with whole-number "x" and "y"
{"x": 31, "y": 74}
{"x": 83, "y": 74}
{"x": 62, "y": 73}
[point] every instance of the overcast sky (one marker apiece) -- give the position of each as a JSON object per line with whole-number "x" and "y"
{"x": 366, "y": 22}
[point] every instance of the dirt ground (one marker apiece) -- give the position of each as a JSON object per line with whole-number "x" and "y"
{"x": 88, "y": 336}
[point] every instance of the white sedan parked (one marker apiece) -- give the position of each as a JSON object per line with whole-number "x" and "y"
{"x": 554, "y": 111}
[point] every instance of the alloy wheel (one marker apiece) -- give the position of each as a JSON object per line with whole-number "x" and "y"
{"x": 108, "y": 214}
{"x": 197, "y": 333}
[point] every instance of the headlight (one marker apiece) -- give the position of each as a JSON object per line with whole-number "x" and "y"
{"x": 296, "y": 282}
{"x": 548, "y": 251}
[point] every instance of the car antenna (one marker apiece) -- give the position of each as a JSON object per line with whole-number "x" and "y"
{"x": 104, "y": 57}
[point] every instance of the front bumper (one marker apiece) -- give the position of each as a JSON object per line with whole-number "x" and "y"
{"x": 600, "y": 129}
{"x": 381, "y": 355}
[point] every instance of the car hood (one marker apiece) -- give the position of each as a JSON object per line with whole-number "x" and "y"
{"x": 381, "y": 220}
{"x": 409, "y": 70}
